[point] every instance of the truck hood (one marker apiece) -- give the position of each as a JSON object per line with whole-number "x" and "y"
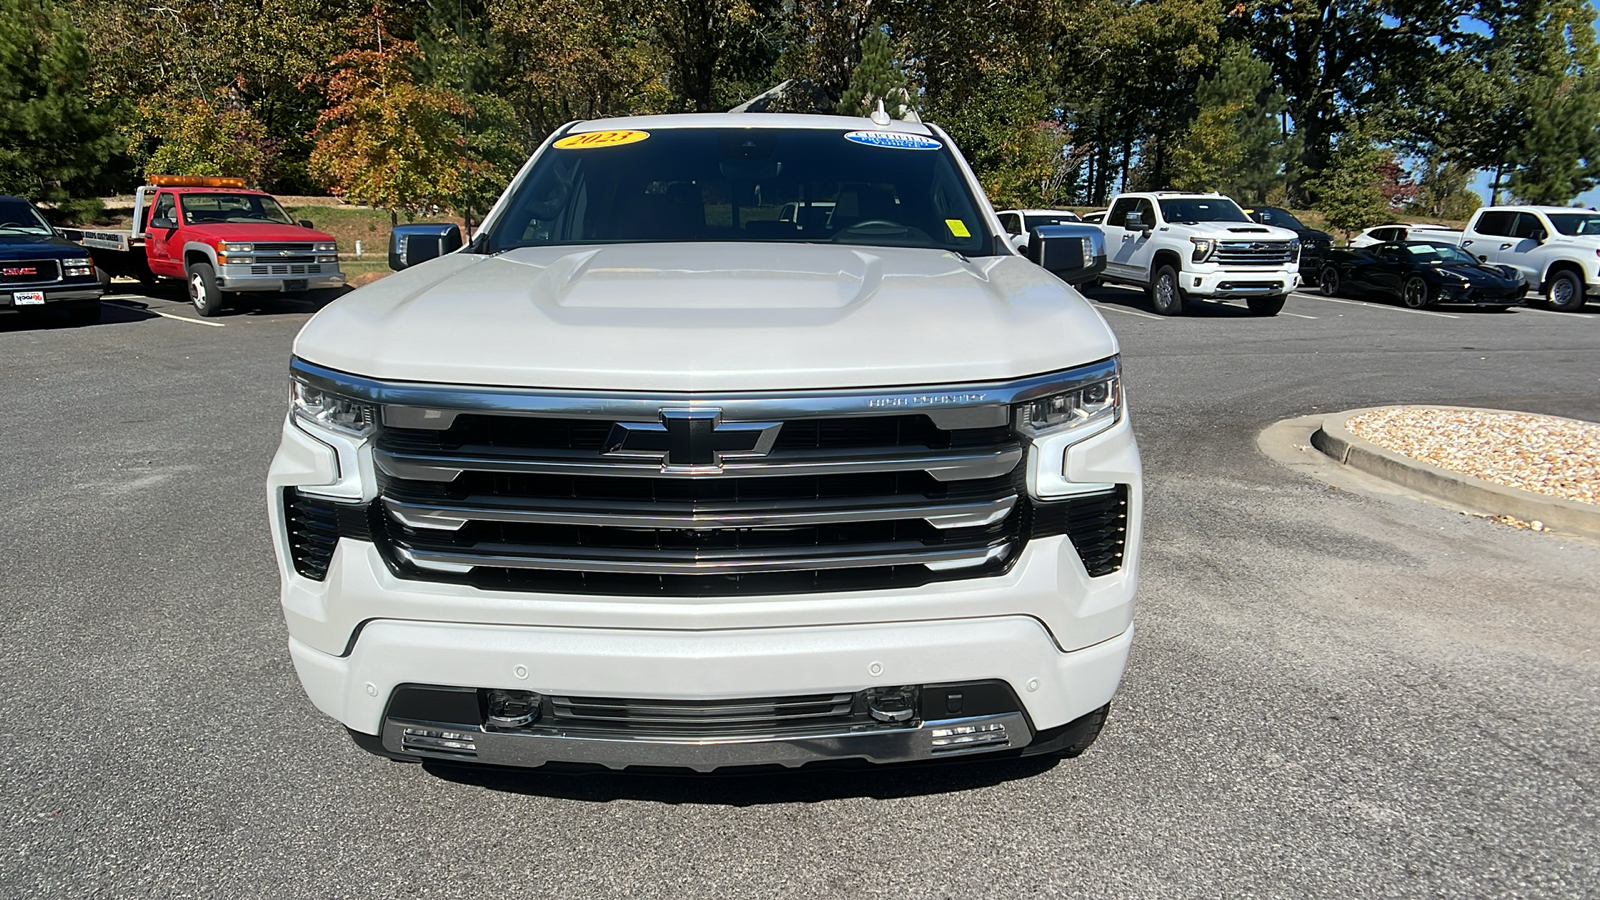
{"x": 38, "y": 246}
{"x": 255, "y": 231}
{"x": 1235, "y": 231}
{"x": 709, "y": 317}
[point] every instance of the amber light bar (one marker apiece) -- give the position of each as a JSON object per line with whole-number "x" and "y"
{"x": 196, "y": 181}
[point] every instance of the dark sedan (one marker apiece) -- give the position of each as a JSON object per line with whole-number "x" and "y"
{"x": 1422, "y": 273}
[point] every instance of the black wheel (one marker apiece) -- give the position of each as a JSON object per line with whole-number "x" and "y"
{"x": 1266, "y": 306}
{"x": 1165, "y": 294}
{"x": 1564, "y": 292}
{"x": 1328, "y": 282}
{"x": 203, "y": 290}
{"x": 1415, "y": 294}
{"x": 86, "y": 313}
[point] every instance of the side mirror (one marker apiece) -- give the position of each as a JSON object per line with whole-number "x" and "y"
{"x": 1540, "y": 236}
{"x": 1134, "y": 221}
{"x": 306, "y": 223}
{"x": 1020, "y": 242}
{"x": 163, "y": 223}
{"x": 1072, "y": 253}
{"x": 412, "y": 244}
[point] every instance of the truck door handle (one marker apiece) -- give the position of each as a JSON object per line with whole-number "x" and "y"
{"x": 1504, "y": 246}
{"x": 1127, "y": 237}
{"x": 1466, "y": 242}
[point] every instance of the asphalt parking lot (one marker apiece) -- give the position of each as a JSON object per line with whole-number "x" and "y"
{"x": 1332, "y": 692}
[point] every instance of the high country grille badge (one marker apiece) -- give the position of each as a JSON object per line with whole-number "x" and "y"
{"x": 689, "y": 440}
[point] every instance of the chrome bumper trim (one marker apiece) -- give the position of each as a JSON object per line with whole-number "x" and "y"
{"x": 535, "y": 745}
{"x": 689, "y": 562}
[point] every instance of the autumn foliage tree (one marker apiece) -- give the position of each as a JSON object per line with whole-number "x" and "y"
{"x": 386, "y": 140}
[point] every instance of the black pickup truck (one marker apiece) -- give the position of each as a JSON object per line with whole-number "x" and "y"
{"x": 39, "y": 269}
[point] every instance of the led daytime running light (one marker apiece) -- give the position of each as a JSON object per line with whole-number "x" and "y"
{"x": 330, "y": 410}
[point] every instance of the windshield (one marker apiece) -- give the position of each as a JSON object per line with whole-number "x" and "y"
{"x": 201, "y": 208}
{"x": 1188, "y": 210}
{"x": 873, "y": 188}
{"x": 1065, "y": 218}
{"x": 1440, "y": 255}
{"x": 1574, "y": 224}
{"x": 19, "y": 217}
{"x": 1271, "y": 215}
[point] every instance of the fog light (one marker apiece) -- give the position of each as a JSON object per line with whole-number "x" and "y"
{"x": 436, "y": 740}
{"x": 966, "y": 737}
{"x": 512, "y": 709}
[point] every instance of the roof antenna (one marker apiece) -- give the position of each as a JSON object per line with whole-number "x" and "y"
{"x": 879, "y": 117}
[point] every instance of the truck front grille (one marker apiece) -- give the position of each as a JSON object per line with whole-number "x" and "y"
{"x": 1253, "y": 253}
{"x": 282, "y": 269}
{"x": 706, "y": 717}
{"x": 534, "y": 503}
{"x": 30, "y": 271}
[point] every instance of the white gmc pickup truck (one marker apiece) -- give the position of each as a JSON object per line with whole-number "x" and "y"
{"x": 652, "y": 474}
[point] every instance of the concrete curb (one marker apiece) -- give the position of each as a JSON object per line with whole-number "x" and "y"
{"x": 1475, "y": 494}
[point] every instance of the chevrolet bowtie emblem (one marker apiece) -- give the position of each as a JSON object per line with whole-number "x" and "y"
{"x": 688, "y": 440}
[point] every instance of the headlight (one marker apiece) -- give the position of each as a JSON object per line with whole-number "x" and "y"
{"x": 1081, "y": 407}
{"x": 327, "y": 259}
{"x": 330, "y": 410}
{"x": 326, "y": 247}
{"x": 1202, "y": 248}
{"x": 1294, "y": 248}
{"x": 231, "y": 247}
{"x": 77, "y": 268}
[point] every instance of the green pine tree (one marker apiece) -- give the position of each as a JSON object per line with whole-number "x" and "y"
{"x": 1349, "y": 192}
{"x": 53, "y": 136}
{"x": 875, "y": 78}
{"x": 1236, "y": 142}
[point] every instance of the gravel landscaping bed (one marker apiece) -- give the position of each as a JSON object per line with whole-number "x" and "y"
{"x": 1544, "y": 454}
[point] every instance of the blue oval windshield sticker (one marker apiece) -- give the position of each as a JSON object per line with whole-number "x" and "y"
{"x": 895, "y": 140}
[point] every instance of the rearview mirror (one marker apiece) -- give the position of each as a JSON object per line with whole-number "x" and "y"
{"x": 1134, "y": 221}
{"x": 412, "y": 244}
{"x": 1540, "y": 236}
{"x": 162, "y": 222}
{"x": 306, "y": 223}
{"x": 1072, "y": 253}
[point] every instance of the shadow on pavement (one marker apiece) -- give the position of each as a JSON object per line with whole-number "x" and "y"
{"x": 1135, "y": 299}
{"x": 809, "y": 785}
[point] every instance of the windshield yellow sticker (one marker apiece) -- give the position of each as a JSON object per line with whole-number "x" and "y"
{"x": 591, "y": 139}
{"x": 957, "y": 228}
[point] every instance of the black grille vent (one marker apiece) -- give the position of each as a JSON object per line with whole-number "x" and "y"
{"x": 315, "y": 526}
{"x": 1097, "y": 526}
{"x": 706, "y": 717}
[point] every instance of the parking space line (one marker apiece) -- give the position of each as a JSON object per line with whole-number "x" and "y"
{"x": 1564, "y": 315}
{"x": 1131, "y": 312}
{"x": 1400, "y": 309}
{"x": 1296, "y": 315}
{"x": 157, "y": 312}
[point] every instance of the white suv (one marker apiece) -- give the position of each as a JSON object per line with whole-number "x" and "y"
{"x": 1179, "y": 246}
{"x": 648, "y": 474}
{"x": 1557, "y": 249}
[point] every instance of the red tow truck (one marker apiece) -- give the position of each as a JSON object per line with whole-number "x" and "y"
{"x": 219, "y": 237}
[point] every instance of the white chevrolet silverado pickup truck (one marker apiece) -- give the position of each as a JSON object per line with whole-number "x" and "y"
{"x": 650, "y": 474}
{"x": 1180, "y": 246}
{"x": 1556, "y": 249}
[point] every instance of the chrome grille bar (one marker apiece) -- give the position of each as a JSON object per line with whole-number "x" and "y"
{"x": 688, "y": 562}
{"x": 944, "y": 465}
{"x": 616, "y": 514}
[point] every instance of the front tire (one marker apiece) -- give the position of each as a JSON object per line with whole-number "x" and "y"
{"x": 1415, "y": 294}
{"x": 1166, "y": 297}
{"x": 1266, "y": 306}
{"x": 1328, "y": 282}
{"x": 1564, "y": 292}
{"x": 203, "y": 290}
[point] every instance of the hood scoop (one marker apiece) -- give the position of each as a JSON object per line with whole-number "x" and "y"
{"x": 1247, "y": 230}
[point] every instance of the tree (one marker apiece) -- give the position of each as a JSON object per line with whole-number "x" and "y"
{"x": 1556, "y": 156}
{"x": 386, "y": 140}
{"x": 876, "y": 78}
{"x": 1444, "y": 189}
{"x": 193, "y": 137}
{"x": 1349, "y": 192}
{"x": 53, "y": 136}
{"x": 1236, "y": 143}
{"x": 710, "y": 40}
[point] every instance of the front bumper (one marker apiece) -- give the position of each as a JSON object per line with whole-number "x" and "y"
{"x": 58, "y": 294}
{"x": 240, "y": 278}
{"x": 1054, "y": 687}
{"x": 1240, "y": 283}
